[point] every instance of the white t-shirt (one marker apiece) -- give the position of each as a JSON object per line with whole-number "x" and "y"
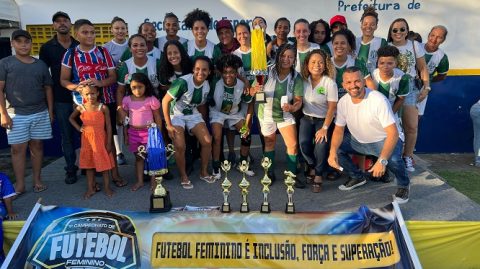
{"x": 116, "y": 50}
{"x": 407, "y": 60}
{"x": 366, "y": 120}
{"x": 163, "y": 39}
{"x": 301, "y": 55}
{"x": 315, "y": 99}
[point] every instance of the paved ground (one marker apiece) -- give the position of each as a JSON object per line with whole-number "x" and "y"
{"x": 430, "y": 199}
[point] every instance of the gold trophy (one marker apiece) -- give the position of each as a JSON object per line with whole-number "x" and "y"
{"x": 266, "y": 181}
{"x": 160, "y": 198}
{"x": 289, "y": 182}
{"x": 259, "y": 61}
{"x": 226, "y": 184}
{"x": 244, "y": 184}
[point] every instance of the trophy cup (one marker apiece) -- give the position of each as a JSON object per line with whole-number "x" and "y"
{"x": 289, "y": 182}
{"x": 226, "y": 184}
{"x": 266, "y": 181}
{"x": 244, "y": 184}
{"x": 259, "y": 61}
{"x": 156, "y": 161}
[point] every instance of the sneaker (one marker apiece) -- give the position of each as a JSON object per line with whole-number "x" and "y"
{"x": 71, "y": 177}
{"x": 121, "y": 159}
{"x": 386, "y": 178}
{"x": 249, "y": 172}
{"x": 216, "y": 174}
{"x": 409, "y": 163}
{"x": 401, "y": 196}
{"x": 352, "y": 183}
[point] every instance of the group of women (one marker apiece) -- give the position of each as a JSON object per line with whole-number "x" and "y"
{"x": 199, "y": 83}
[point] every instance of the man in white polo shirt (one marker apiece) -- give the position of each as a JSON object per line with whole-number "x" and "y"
{"x": 372, "y": 131}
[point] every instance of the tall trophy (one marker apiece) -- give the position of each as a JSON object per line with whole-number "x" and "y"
{"x": 259, "y": 61}
{"x": 244, "y": 184}
{"x": 157, "y": 163}
{"x": 289, "y": 182}
{"x": 226, "y": 185}
{"x": 266, "y": 181}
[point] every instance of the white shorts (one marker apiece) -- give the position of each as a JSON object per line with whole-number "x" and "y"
{"x": 27, "y": 127}
{"x": 269, "y": 128}
{"x": 187, "y": 122}
{"x": 421, "y": 106}
{"x": 228, "y": 121}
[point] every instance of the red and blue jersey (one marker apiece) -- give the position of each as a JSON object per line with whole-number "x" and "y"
{"x": 87, "y": 65}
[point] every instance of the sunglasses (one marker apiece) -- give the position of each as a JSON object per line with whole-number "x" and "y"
{"x": 396, "y": 30}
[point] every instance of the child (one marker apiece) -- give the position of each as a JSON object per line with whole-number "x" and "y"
{"x": 26, "y": 101}
{"x": 7, "y": 193}
{"x": 96, "y": 150}
{"x": 143, "y": 109}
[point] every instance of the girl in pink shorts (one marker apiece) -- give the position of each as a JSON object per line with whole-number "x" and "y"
{"x": 143, "y": 109}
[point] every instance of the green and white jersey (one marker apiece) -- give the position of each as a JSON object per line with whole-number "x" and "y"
{"x": 274, "y": 88}
{"x": 187, "y": 96}
{"x": 367, "y": 52}
{"x": 325, "y": 48}
{"x": 437, "y": 62}
{"x": 316, "y": 98}
{"x": 228, "y": 100}
{"x": 193, "y": 51}
{"x": 246, "y": 57}
{"x": 155, "y": 53}
{"x": 397, "y": 85}
{"x": 340, "y": 69}
{"x": 128, "y": 68}
{"x": 301, "y": 55}
{"x": 163, "y": 39}
{"x": 406, "y": 59}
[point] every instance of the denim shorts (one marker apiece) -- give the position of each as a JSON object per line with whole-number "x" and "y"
{"x": 411, "y": 99}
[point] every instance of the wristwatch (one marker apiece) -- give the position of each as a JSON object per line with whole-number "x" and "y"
{"x": 428, "y": 88}
{"x": 383, "y": 162}
{"x": 325, "y": 127}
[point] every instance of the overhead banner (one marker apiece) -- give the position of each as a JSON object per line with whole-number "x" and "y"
{"x": 63, "y": 237}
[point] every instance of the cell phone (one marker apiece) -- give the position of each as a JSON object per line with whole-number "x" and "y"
{"x": 283, "y": 100}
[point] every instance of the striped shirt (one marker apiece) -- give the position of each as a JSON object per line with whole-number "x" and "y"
{"x": 90, "y": 64}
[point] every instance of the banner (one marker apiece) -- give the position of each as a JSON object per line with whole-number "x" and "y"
{"x": 64, "y": 237}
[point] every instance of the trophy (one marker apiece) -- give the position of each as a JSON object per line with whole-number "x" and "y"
{"x": 156, "y": 165}
{"x": 226, "y": 184}
{"x": 259, "y": 61}
{"x": 266, "y": 181}
{"x": 244, "y": 184}
{"x": 290, "y": 181}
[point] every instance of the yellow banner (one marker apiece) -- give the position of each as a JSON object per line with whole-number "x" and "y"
{"x": 273, "y": 250}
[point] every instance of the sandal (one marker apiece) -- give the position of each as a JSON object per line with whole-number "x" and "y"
{"x": 187, "y": 185}
{"x": 39, "y": 188}
{"x": 120, "y": 182}
{"x": 310, "y": 176}
{"x": 317, "y": 185}
{"x": 209, "y": 179}
{"x": 97, "y": 187}
{"x": 334, "y": 175}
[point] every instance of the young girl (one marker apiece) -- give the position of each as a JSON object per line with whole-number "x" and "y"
{"x": 199, "y": 20}
{"x": 95, "y": 152}
{"x": 320, "y": 34}
{"x": 119, "y": 43}
{"x": 301, "y": 30}
{"x": 142, "y": 109}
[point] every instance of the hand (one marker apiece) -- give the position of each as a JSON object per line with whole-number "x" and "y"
{"x": 333, "y": 161}
{"x": 11, "y": 216}
{"x": 81, "y": 129}
{"x": 246, "y": 88}
{"x": 288, "y": 108}
{"x": 244, "y": 131}
{"x": 52, "y": 117}
{"x": 172, "y": 132}
{"x": 121, "y": 114}
{"x": 423, "y": 94}
{"x": 108, "y": 146}
{"x": 255, "y": 89}
{"x": 95, "y": 82}
{"x": 6, "y": 121}
{"x": 377, "y": 170}
{"x": 321, "y": 135}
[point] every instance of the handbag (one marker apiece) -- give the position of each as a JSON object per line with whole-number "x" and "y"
{"x": 417, "y": 81}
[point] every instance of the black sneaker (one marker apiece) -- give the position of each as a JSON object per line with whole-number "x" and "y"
{"x": 352, "y": 183}
{"x": 401, "y": 196}
{"x": 71, "y": 177}
{"x": 386, "y": 178}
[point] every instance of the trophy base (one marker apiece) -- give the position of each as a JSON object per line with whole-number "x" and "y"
{"x": 159, "y": 204}
{"x": 290, "y": 209}
{"x": 265, "y": 208}
{"x": 244, "y": 208}
{"x": 260, "y": 98}
{"x": 226, "y": 208}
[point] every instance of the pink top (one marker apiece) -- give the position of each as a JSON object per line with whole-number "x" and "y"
{"x": 140, "y": 112}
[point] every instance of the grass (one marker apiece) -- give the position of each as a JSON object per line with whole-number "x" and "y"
{"x": 466, "y": 182}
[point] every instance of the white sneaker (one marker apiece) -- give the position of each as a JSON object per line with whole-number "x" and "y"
{"x": 249, "y": 172}
{"x": 216, "y": 176}
{"x": 409, "y": 163}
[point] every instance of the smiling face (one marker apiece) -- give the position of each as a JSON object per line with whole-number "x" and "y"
{"x": 354, "y": 84}
{"x": 149, "y": 32}
{"x": 119, "y": 31}
{"x": 62, "y": 25}
{"x": 287, "y": 59}
{"x": 171, "y": 27}
{"x": 399, "y": 32}
{"x": 199, "y": 31}
{"x": 243, "y": 35}
{"x": 435, "y": 38}
{"x": 319, "y": 33}
{"x": 340, "y": 46}
{"x": 138, "y": 47}
{"x": 282, "y": 30}
{"x": 260, "y": 22}
{"x": 301, "y": 31}
{"x": 316, "y": 65}
{"x": 229, "y": 75}
{"x": 173, "y": 55}
{"x": 368, "y": 26}
{"x": 201, "y": 71}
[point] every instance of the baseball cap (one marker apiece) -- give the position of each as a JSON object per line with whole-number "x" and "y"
{"x": 224, "y": 24}
{"x": 338, "y": 18}
{"x": 60, "y": 14}
{"x": 19, "y": 33}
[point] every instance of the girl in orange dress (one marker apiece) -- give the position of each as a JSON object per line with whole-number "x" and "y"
{"x": 96, "y": 145}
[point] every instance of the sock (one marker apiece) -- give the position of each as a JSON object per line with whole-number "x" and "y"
{"x": 216, "y": 166}
{"x": 271, "y": 156}
{"x": 292, "y": 163}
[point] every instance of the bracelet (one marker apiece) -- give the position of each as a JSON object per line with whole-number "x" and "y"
{"x": 325, "y": 127}
{"x": 428, "y": 88}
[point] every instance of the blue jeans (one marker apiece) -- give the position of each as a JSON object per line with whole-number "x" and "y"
{"x": 475, "y": 115}
{"x": 395, "y": 163}
{"x": 62, "y": 113}
{"x": 315, "y": 154}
